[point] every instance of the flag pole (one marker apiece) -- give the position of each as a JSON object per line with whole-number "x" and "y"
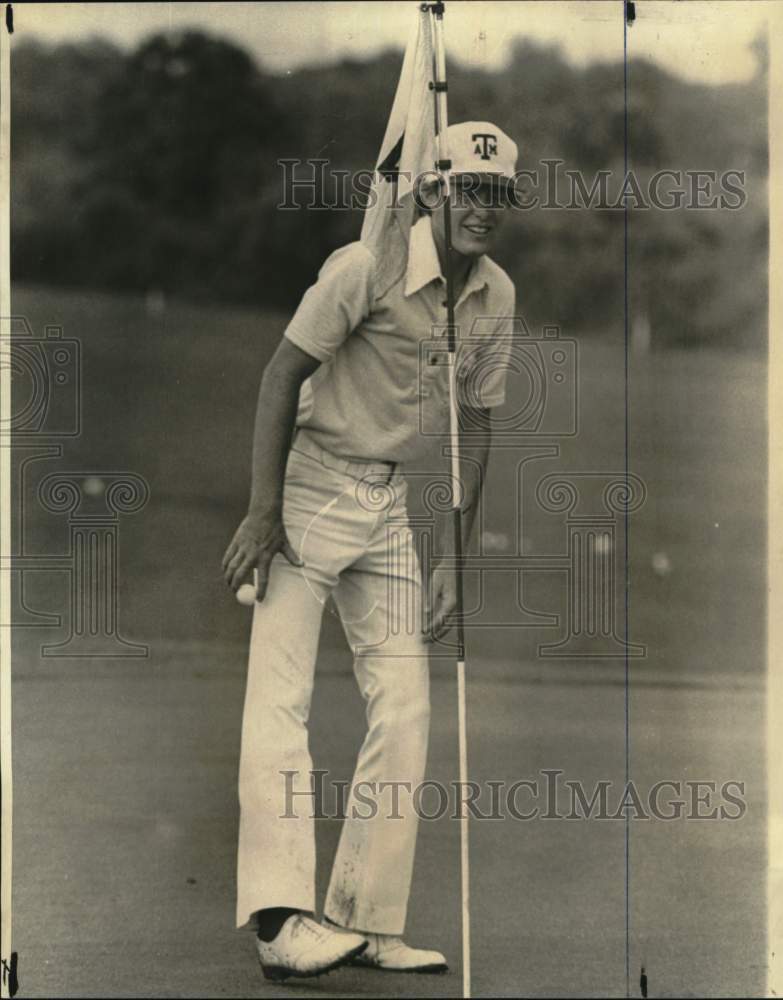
{"x": 8, "y": 957}
{"x": 443, "y": 166}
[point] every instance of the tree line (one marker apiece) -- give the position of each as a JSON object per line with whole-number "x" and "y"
{"x": 158, "y": 169}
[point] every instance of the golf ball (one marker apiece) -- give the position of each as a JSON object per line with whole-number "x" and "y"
{"x": 661, "y": 564}
{"x": 93, "y": 486}
{"x": 247, "y": 595}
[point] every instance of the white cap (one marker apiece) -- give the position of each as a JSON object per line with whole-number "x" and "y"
{"x": 479, "y": 148}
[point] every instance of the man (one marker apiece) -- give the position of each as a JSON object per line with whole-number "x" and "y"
{"x": 327, "y": 517}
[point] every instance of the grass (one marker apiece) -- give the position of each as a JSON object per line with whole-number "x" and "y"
{"x": 125, "y": 772}
{"x": 171, "y": 395}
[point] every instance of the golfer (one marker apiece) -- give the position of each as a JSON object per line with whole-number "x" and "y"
{"x": 340, "y": 412}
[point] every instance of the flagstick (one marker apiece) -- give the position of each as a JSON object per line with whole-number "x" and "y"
{"x": 444, "y": 165}
{"x": 7, "y": 955}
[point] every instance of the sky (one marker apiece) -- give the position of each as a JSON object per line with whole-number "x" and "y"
{"x": 704, "y": 40}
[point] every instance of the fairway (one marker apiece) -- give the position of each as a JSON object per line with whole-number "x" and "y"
{"x": 125, "y": 770}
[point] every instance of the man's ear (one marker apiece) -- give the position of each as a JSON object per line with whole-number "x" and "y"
{"x": 428, "y": 195}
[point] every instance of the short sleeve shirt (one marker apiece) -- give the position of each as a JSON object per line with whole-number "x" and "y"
{"x": 381, "y": 392}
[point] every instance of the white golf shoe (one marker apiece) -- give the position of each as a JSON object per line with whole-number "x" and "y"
{"x": 390, "y": 953}
{"x": 385, "y": 951}
{"x": 306, "y": 948}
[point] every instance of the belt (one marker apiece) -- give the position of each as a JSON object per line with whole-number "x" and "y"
{"x": 357, "y": 468}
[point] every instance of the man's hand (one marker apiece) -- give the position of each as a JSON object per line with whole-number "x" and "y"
{"x": 442, "y": 602}
{"x": 256, "y": 541}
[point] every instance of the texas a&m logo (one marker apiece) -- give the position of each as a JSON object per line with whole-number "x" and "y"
{"x": 488, "y": 145}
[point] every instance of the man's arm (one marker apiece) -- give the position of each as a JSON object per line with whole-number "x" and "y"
{"x": 443, "y": 591}
{"x": 262, "y": 534}
{"x": 329, "y": 311}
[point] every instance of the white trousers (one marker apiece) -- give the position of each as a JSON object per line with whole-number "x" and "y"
{"x": 348, "y": 523}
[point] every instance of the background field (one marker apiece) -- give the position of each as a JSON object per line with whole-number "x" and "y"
{"x": 125, "y": 811}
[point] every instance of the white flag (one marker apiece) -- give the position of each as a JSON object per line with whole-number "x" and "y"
{"x": 409, "y": 134}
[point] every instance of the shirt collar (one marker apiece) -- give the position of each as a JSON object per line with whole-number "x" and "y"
{"x": 424, "y": 265}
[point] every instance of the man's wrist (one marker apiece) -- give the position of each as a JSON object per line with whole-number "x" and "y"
{"x": 263, "y": 510}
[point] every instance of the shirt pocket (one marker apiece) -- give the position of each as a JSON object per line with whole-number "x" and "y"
{"x": 433, "y": 371}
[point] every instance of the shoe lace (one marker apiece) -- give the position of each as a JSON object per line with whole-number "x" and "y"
{"x": 304, "y": 926}
{"x": 387, "y": 942}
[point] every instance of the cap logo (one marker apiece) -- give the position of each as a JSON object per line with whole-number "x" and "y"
{"x": 488, "y": 146}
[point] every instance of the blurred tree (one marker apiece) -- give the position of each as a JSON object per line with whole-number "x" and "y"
{"x": 183, "y": 125}
{"x": 158, "y": 169}
{"x": 183, "y": 138}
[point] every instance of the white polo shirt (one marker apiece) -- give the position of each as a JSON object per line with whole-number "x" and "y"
{"x": 381, "y": 391}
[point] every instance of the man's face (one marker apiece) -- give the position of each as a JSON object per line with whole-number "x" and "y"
{"x": 474, "y": 225}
